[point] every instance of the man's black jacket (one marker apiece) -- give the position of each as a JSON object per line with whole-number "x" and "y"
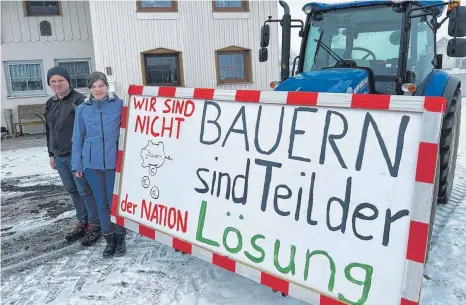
{"x": 59, "y": 116}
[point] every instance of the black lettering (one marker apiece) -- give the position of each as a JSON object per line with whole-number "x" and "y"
{"x": 244, "y": 131}
{"x": 284, "y": 196}
{"x": 399, "y": 145}
{"x": 219, "y": 184}
{"x": 267, "y": 179}
{"x": 357, "y": 214}
{"x": 388, "y": 221}
{"x": 298, "y": 204}
{"x": 244, "y": 196}
{"x": 279, "y": 134}
{"x": 295, "y": 132}
{"x": 206, "y": 187}
{"x": 344, "y": 206}
{"x": 214, "y": 178}
{"x": 214, "y": 122}
{"x": 331, "y": 138}
{"x": 310, "y": 202}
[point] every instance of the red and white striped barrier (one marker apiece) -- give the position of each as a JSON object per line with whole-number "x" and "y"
{"x": 432, "y": 109}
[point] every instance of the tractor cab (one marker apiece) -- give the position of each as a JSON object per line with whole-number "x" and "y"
{"x": 381, "y": 47}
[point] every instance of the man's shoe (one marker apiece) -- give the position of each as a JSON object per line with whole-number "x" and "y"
{"x": 110, "y": 247}
{"x": 120, "y": 244}
{"x": 78, "y": 232}
{"x": 93, "y": 233}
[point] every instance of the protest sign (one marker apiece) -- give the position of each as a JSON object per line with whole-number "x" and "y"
{"x": 325, "y": 197}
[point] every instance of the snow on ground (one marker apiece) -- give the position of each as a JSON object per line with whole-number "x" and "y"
{"x": 39, "y": 267}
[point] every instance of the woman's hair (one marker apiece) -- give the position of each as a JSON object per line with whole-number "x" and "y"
{"x": 95, "y": 76}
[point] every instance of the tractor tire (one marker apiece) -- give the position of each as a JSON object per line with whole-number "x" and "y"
{"x": 449, "y": 147}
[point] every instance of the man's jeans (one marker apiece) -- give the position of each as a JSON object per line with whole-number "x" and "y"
{"x": 80, "y": 191}
{"x": 102, "y": 182}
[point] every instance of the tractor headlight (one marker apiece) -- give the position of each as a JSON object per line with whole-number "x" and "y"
{"x": 307, "y": 9}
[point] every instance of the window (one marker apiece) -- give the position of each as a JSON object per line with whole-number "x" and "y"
{"x": 460, "y": 63}
{"x": 157, "y": 6}
{"x": 233, "y": 65}
{"x": 162, "y": 67}
{"x": 42, "y": 8}
{"x": 79, "y": 70}
{"x": 230, "y": 6}
{"x": 25, "y": 78}
{"x": 45, "y": 28}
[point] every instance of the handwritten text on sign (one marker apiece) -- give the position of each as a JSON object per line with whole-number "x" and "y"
{"x": 317, "y": 196}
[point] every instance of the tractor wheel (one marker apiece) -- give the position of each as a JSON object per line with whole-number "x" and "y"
{"x": 449, "y": 147}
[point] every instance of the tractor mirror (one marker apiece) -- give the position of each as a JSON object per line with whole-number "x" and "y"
{"x": 456, "y": 47}
{"x": 265, "y": 35}
{"x": 457, "y": 22}
{"x": 263, "y": 54}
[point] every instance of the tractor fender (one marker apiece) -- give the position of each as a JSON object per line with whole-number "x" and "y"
{"x": 450, "y": 89}
{"x": 439, "y": 83}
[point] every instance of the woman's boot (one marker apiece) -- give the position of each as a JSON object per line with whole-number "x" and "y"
{"x": 120, "y": 244}
{"x": 110, "y": 247}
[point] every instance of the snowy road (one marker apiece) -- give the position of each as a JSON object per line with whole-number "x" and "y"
{"x": 39, "y": 267}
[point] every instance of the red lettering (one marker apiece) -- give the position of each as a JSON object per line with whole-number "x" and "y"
{"x": 161, "y": 210}
{"x": 171, "y": 218}
{"x": 140, "y": 123}
{"x": 164, "y": 126}
{"x": 153, "y": 100}
{"x": 167, "y": 106}
{"x": 139, "y": 103}
{"x": 180, "y": 222}
{"x": 178, "y": 127}
{"x": 123, "y": 203}
{"x": 179, "y": 105}
{"x": 189, "y": 104}
{"x": 152, "y": 128}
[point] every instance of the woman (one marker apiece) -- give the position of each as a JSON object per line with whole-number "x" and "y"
{"x": 94, "y": 154}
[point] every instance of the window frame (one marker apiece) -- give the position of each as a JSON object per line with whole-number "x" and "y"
{"x": 31, "y": 93}
{"x": 247, "y": 65}
{"x": 172, "y": 9}
{"x": 27, "y": 14}
{"x": 70, "y": 60}
{"x": 460, "y": 63}
{"x": 49, "y": 25}
{"x": 244, "y": 8}
{"x": 163, "y": 52}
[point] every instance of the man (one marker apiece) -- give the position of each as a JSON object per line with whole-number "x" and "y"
{"x": 59, "y": 114}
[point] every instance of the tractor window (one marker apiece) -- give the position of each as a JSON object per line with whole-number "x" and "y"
{"x": 369, "y": 36}
{"x": 374, "y": 50}
{"x": 421, "y": 48}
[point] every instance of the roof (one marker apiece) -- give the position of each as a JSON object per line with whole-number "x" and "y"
{"x": 319, "y": 6}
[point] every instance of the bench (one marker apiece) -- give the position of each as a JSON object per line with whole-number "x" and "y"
{"x": 29, "y": 115}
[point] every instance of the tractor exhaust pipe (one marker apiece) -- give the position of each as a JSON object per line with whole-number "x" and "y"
{"x": 286, "y": 37}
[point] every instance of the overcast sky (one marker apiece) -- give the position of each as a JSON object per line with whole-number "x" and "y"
{"x": 297, "y": 13}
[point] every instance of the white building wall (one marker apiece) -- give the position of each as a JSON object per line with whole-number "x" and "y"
{"x": 120, "y": 35}
{"x": 71, "y": 39}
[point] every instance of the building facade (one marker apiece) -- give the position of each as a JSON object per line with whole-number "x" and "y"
{"x": 184, "y": 43}
{"x": 209, "y": 44}
{"x": 35, "y": 36}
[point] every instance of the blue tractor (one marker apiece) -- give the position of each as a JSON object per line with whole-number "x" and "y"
{"x": 378, "y": 47}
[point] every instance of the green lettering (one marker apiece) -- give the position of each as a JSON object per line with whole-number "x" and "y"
{"x": 200, "y": 227}
{"x": 238, "y": 235}
{"x": 367, "y": 282}
{"x": 331, "y": 281}
{"x": 256, "y": 247}
{"x": 291, "y": 265}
